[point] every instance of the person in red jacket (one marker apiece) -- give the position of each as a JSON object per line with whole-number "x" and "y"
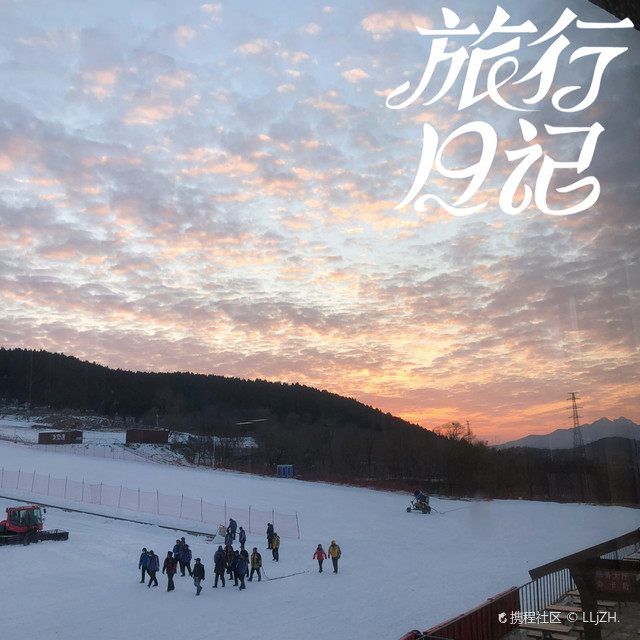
{"x": 320, "y": 556}
{"x": 169, "y": 567}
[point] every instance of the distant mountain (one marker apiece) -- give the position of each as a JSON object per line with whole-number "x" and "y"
{"x": 563, "y": 438}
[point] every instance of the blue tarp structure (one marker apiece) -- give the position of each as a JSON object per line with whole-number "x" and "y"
{"x": 286, "y": 470}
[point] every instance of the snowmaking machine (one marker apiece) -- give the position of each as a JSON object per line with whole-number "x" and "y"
{"x": 420, "y": 502}
{"x": 24, "y": 525}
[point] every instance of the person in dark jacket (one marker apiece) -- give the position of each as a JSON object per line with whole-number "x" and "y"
{"x": 153, "y": 566}
{"x": 198, "y": 575}
{"x": 269, "y": 536}
{"x": 233, "y": 525}
{"x": 242, "y": 564}
{"x": 230, "y": 560}
{"x": 320, "y": 556}
{"x": 177, "y": 547}
{"x": 256, "y": 563}
{"x": 242, "y": 537}
{"x": 219, "y": 565}
{"x": 169, "y": 567}
{"x": 234, "y": 567}
{"x": 228, "y": 537}
{"x": 142, "y": 563}
{"x": 185, "y": 559}
{"x": 275, "y": 547}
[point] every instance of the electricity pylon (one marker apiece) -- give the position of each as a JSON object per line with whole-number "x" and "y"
{"x": 579, "y": 452}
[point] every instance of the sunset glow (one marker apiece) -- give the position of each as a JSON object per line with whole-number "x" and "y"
{"x": 213, "y": 188}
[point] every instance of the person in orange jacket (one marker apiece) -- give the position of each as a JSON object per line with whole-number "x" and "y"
{"x": 320, "y": 556}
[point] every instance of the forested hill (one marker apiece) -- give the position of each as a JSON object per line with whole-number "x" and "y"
{"x": 185, "y": 400}
{"x": 326, "y": 436}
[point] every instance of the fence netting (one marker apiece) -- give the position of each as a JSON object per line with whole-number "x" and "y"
{"x": 151, "y": 502}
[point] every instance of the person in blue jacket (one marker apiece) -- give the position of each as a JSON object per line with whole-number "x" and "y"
{"x": 142, "y": 563}
{"x": 419, "y": 496}
{"x": 185, "y": 560}
{"x": 153, "y": 566}
{"x": 242, "y": 565}
{"x": 233, "y": 525}
{"x": 242, "y": 537}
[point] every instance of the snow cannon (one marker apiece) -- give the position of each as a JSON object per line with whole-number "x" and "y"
{"x": 420, "y": 502}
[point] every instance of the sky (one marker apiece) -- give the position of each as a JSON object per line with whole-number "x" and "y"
{"x": 253, "y": 190}
{"x": 398, "y": 571}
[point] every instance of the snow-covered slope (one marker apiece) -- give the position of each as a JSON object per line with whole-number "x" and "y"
{"x": 399, "y": 571}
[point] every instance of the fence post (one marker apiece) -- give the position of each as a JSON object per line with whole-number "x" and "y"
{"x": 120, "y": 496}
{"x": 18, "y": 480}
{"x": 82, "y": 499}
{"x": 181, "y": 503}
{"x": 225, "y": 512}
{"x": 297, "y": 525}
{"x": 249, "y": 529}
{"x": 33, "y": 480}
{"x": 138, "y": 499}
{"x": 201, "y": 511}
{"x": 157, "y": 502}
{"x": 2, "y": 478}
{"x": 49, "y": 485}
{"x": 66, "y": 478}
{"x": 100, "y": 493}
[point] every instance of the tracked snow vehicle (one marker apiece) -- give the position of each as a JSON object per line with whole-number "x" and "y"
{"x": 24, "y": 525}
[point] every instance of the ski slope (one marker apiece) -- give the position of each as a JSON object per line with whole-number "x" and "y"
{"x": 398, "y": 571}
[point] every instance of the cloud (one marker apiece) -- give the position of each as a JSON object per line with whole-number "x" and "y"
{"x": 295, "y": 57}
{"x": 99, "y": 83}
{"x": 355, "y": 75}
{"x": 312, "y": 29}
{"x": 213, "y": 10}
{"x": 174, "y": 79}
{"x": 226, "y": 204}
{"x": 149, "y": 114}
{"x": 259, "y": 46}
{"x": 183, "y": 35}
{"x": 381, "y": 24}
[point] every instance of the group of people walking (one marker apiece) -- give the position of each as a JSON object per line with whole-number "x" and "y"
{"x": 237, "y": 564}
{"x": 180, "y": 557}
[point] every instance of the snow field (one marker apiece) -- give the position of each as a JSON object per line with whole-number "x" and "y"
{"x": 399, "y": 571}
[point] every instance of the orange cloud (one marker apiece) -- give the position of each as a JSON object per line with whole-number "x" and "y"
{"x": 381, "y": 24}
{"x": 355, "y": 75}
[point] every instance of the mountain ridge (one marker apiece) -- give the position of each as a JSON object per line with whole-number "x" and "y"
{"x": 563, "y": 438}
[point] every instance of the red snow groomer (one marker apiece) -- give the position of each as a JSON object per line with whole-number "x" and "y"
{"x": 24, "y": 525}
